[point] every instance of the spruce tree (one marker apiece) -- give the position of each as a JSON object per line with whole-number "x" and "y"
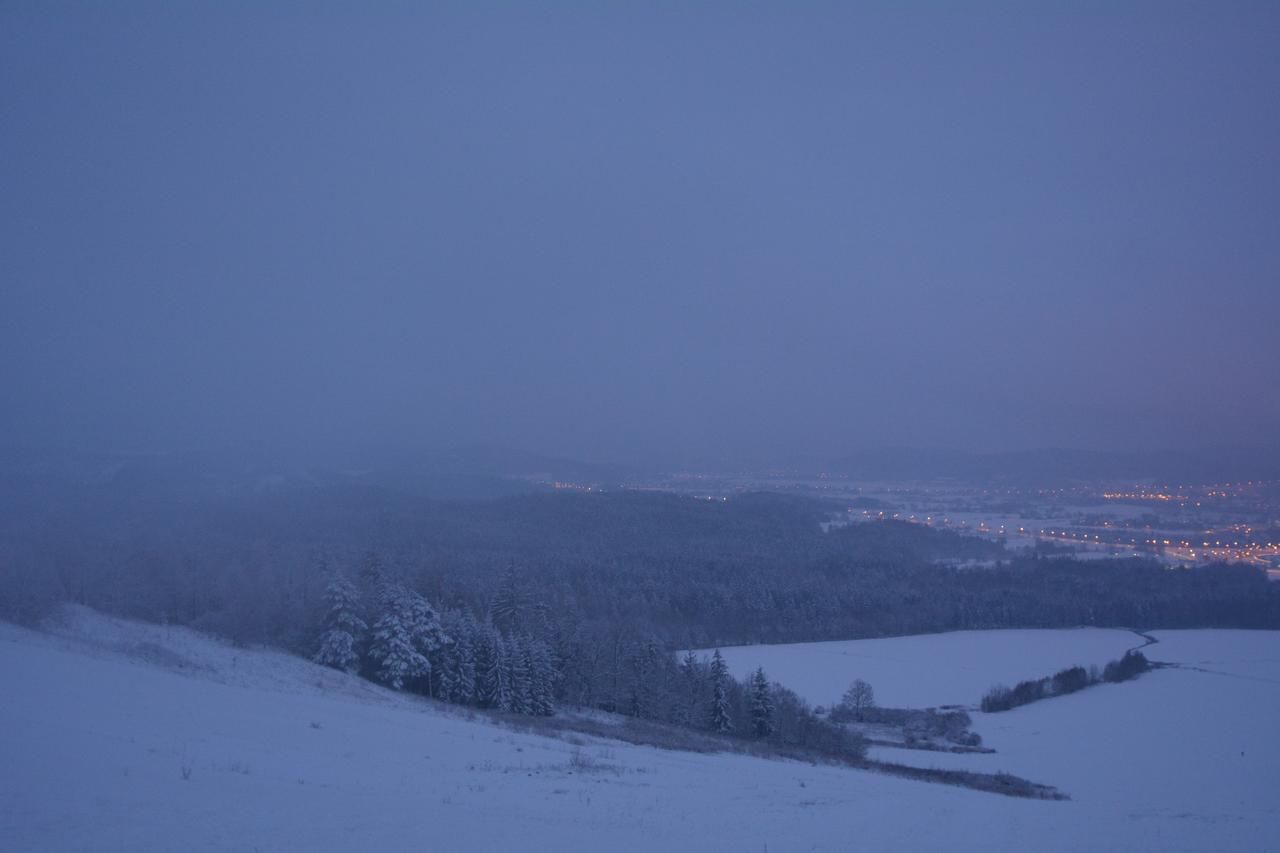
{"x": 455, "y": 665}
{"x": 542, "y": 679}
{"x": 493, "y": 690}
{"x": 721, "y": 719}
{"x": 464, "y": 669}
{"x": 641, "y": 700}
{"x": 518, "y": 676}
{"x": 393, "y": 653}
{"x": 761, "y": 705}
{"x": 507, "y": 608}
{"x": 372, "y": 586}
{"x": 691, "y": 672}
{"x": 344, "y": 630}
{"x": 425, "y": 632}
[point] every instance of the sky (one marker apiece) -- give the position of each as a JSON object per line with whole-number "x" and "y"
{"x": 636, "y": 231}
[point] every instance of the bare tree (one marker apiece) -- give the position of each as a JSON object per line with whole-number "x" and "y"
{"x": 858, "y": 698}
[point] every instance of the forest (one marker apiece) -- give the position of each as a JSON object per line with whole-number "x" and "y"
{"x": 522, "y": 603}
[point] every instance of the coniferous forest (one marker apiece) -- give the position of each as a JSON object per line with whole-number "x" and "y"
{"x": 525, "y": 603}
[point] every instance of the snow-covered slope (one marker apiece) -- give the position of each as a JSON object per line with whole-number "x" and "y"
{"x": 115, "y": 736}
{"x": 928, "y": 670}
{"x": 1184, "y": 758}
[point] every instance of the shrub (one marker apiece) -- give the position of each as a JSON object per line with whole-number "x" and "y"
{"x": 1070, "y": 680}
{"x": 998, "y": 698}
{"x": 1028, "y": 691}
{"x": 1129, "y": 666}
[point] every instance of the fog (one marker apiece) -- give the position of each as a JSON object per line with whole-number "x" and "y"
{"x": 717, "y": 233}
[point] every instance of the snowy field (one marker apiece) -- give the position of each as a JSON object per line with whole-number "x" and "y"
{"x": 1184, "y": 759}
{"x": 117, "y": 736}
{"x": 928, "y": 670}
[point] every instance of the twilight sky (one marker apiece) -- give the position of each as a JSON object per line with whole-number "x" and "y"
{"x": 638, "y": 231}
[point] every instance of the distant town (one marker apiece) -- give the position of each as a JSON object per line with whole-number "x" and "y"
{"x": 1178, "y": 524}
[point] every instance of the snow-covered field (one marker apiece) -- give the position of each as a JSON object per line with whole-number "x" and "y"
{"x": 928, "y": 670}
{"x": 115, "y": 736}
{"x": 1179, "y": 759}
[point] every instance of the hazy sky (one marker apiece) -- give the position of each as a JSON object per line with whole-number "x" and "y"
{"x": 623, "y": 231}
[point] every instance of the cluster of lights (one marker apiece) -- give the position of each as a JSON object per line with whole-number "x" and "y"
{"x": 1142, "y": 496}
{"x": 1227, "y": 541}
{"x": 576, "y": 487}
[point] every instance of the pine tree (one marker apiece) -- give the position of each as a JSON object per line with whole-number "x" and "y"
{"x": 540, "y": 617}
{"x": 507, "y": 608}
{"x": 344, "y": 630}
{"x": 442, "y": 673}
{"x": 372, "y": 573}
{"x": 393, "y": 652}
{"x": 761, "y": 705}
{"x": 372, "y": 586}
{"x": 721, "y": 720}
{"x": 425, "y": 632}
{"x": 455, "y": 663}
{"x": 493, "y": 690}
{"x": 464, "y": 678}
{"x": 484, "y": 655}
{"x": 542, "y": 679}
{"x": 518, "y": 676}
{"x": 691, "y": 673}
{"x": 689, "y": 666}
{"x": 640, "y": 701}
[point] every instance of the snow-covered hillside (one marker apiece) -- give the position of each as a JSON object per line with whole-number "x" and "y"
{"x": 117, "y": 736}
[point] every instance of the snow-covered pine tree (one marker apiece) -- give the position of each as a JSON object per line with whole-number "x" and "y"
{"x": 463, "y": 682}
{"x": 442, "y": 673}
{"x": 482, "y": 646}
{"x": 372, "y": 572}
{"x": 425, "y": 631}
{"x": 518, "y": 676}
{"x": 502, "y": 671}
{"x": 371, "y": 583}
{"x": 640, "y": 703}
{"x": 658, "y": 676}
{"x": 542, "y": 679}
{"x": 761, "y": 705}
{"x": 540, "y": 617}
{"x": 508, "y": 604}
{"x": 454, "y": 658}
{"x": 492, "y": 687}
{"x": 344, "y": 630}
{"x": 395, "y": 659}
{"x": 691, "y": 674}
{"x": 721, "y": 719}
{"x": 689, "y": 666}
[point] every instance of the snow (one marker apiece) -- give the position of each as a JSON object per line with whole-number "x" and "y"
{"x": 1184, "y": 758}
{"x": 99, "y": 719}
{"x": 1186, "y": 753}
{"x": 928, "y": 670}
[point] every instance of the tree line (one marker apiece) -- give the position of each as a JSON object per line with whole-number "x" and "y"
{"x": 382, "y": 630}
{"x": 389, "y": 633}
{"x": 591, "y": 594}
{"x": 1069, "y": 680}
